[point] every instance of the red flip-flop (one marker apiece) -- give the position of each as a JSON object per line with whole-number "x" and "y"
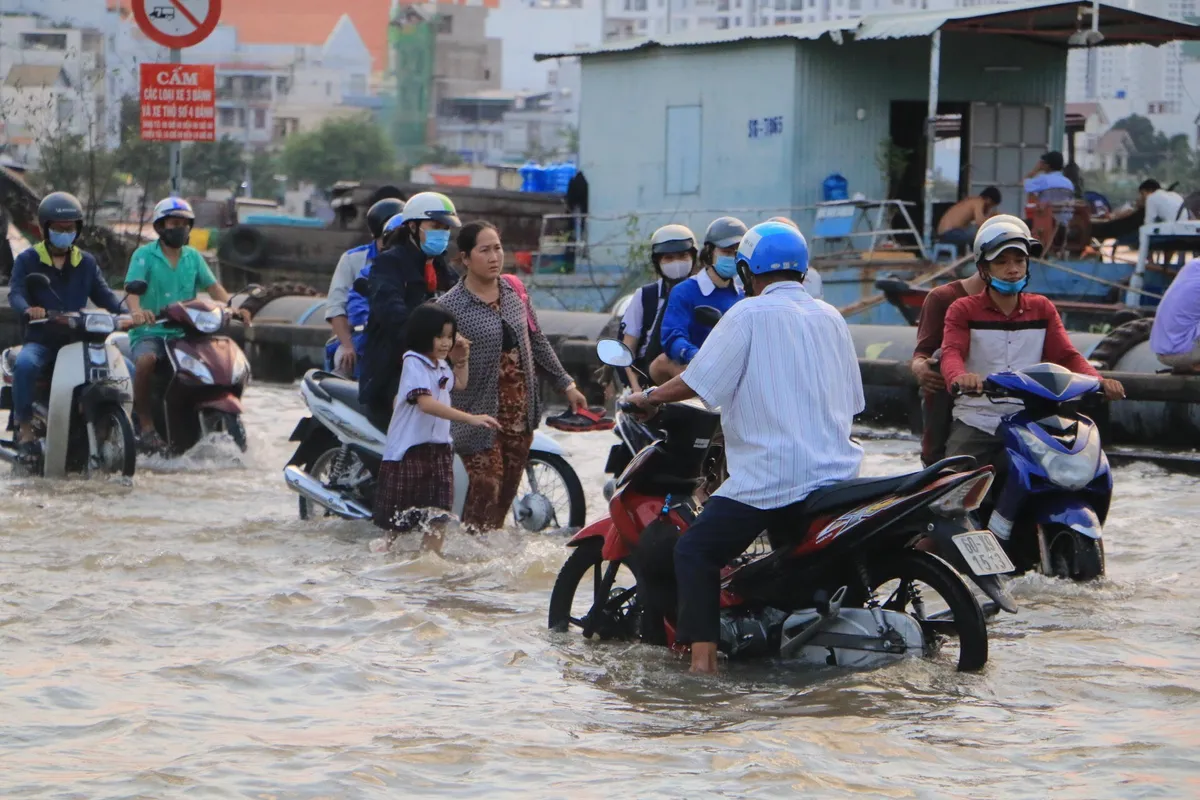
{"x": 581, "y": 421}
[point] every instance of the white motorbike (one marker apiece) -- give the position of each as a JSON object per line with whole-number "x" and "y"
{"x": 81, "y": 418}
{"x": 336, "y": 464}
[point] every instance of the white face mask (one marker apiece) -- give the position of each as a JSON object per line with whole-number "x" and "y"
{"x": 675, "y": 270}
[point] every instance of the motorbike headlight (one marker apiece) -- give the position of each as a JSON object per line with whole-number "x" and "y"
{"x": 205, "y": 321}
{"x": 241, "y": 367}
{"x": 1069, "y": 470}
{"x": 194, "y": 366}
{"x": 99, "y": 323}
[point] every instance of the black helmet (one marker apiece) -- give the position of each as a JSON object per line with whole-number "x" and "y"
{"x": 725, "y": 232}
{"x": 60, "y": 207}
{"x": 380, "y": 213}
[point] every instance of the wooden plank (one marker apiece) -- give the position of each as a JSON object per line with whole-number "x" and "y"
{"x": 870, "y": 302}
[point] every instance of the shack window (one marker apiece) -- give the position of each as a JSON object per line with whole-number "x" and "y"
{"x": 683, "y": 150}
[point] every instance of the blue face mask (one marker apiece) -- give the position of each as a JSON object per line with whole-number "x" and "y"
{"x": 436, "y": 242}
{"x": 1009, "y": 287}
{"x": 725, "y": 266}
{"x": 62, "y": 240}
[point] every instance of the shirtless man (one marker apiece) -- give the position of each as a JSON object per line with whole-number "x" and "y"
{"x": 959, "y": 223}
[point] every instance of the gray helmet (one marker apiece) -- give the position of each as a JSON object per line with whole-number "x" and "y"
{"x": 725, "y": 232}
{"x": 672, "y": 239}
{"x": 60, "y": 207}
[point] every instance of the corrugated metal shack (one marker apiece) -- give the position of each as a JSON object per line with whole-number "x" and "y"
{"x": 685, "y": 127}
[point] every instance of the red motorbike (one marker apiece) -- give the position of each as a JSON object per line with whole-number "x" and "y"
{"x": 198, "y": 387}
{"x": 850, "y": 586}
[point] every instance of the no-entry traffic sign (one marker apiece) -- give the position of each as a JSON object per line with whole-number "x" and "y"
{"x": 178, "y": 103}
{"x": 177, "y": 23}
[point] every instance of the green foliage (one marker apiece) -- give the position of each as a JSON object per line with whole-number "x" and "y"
{"x": 440, "y": 155}
{"x": 891, "y": 161}
{"x": 213, "y": 165}
{"x": 263, "y": 168}
{"x": 344, "y": 148}
{"x": 1152, "y": 146}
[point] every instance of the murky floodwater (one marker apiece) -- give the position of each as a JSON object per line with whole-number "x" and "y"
{"x": 189, "y": 637}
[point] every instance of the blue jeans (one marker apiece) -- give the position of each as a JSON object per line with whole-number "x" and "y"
{"x": 724, "y": 529}
{"x": 32, "y": 361}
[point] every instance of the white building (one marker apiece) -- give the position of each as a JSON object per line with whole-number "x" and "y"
{"x": 266, "y": 92}
{"x": 53, "y": 82}
{"x": 532, "y": 26}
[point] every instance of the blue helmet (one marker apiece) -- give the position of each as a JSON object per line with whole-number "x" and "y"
{"x": 395, "y": 221}
{"x": 773, "y": 247}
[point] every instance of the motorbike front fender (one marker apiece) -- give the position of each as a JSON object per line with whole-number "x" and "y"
{"x": 544, "y": 444}
{"x": 228, "y": 403}
{"x": 1071, "y": 513}
{"x": 599, "y": 528}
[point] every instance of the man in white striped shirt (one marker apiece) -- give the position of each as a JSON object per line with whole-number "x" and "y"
{"x": 782, "y": 368}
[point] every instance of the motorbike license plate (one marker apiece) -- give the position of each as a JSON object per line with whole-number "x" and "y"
{"x": 983, "y": 553}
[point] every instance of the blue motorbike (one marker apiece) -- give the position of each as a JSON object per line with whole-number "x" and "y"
{"x": 1051, "y": 509}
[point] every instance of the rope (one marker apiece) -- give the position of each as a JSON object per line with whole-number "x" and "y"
{"x": 1077, "y": 273}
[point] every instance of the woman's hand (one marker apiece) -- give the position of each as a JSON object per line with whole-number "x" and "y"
{"x": 484, "y": 421}
{"x": 461, "y": 351}
{"x": 575, "y": 398}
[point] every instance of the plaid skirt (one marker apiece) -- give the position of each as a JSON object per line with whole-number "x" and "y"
{"x": 422, "y": 480}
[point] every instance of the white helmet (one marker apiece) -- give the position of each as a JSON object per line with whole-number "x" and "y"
{"x": 433, "y": 206}
{"x": 1002, "y": 232}
{"x": 672, "y": 239}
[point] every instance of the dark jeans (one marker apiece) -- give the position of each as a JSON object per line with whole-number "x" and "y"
{"x": 962, "y": 238}
{"x": 724, "y": 529}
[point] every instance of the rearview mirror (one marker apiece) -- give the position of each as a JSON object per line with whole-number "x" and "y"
{"x": 36, "y": 281}
{"x": 136, "y": 288}
{"x": 613, "y": 353}
{"x": 362, "y": 286}
{"x": 706, "y": 315}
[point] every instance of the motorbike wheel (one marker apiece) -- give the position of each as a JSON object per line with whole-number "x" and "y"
{"x": 963, "y": 620}
{"x": 612, "y": 611}
{"x": 1075, "y": 556}
{"x": 322, "y": 468}
{"x": 224, "y": 422}
{"x": 115, "y": 443}
{"x": 550, "y": 476}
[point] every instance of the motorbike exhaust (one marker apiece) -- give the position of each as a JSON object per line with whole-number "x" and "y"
{"x": 307, "y": 486}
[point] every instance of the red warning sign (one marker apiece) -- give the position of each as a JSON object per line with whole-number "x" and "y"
{"x": 178, "y": 103}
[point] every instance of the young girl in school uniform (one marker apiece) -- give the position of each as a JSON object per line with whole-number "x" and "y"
{"x": 418, "y": 461}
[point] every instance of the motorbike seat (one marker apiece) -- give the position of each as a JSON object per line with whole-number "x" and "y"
{"x": 862, "y": 490}
{"x": 345, "y": 392}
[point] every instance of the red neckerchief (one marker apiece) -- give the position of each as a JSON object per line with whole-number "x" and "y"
{"x": 431, "y": 281}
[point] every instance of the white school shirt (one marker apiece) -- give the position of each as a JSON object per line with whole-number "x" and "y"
{"x": 783, "y": 370}
{"x": 631, "y": 323}
{"x": 410, "y": 426}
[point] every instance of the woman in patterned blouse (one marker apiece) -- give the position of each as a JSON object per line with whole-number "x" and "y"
{"x": 507, "y": 351}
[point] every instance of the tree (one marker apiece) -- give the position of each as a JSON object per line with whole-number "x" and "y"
{"x": 342, "y": 148}
{"x": 146, "y": 163}
{"x": 263, "y": 169}
{"x": 1151, "y": 145}
{"x": 214, "y": 165}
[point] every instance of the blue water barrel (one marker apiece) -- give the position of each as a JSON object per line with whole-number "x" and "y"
{"x": 528, "y": 173}
{"x": 835, "y": 187}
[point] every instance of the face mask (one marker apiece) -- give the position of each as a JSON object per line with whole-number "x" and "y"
{"x": 436, "y": 242}
{"x": 725, "y": 266}
{"x": 62, "y": 240}
{"x": 675, "y": 270}
{"x": 175, "y": 237}
{"x": 1009, "y": 287}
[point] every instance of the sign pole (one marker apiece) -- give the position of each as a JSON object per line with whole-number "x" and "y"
{"x": 175, "y": 149}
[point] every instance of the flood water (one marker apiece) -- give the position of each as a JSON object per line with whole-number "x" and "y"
{"x": 189, "y": 637}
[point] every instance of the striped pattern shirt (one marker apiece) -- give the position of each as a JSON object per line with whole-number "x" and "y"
{"x": 783, "y": 370}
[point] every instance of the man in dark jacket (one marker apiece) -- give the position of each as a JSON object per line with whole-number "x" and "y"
{"x": 403, "y": 277}
{"x": 74, "y": 279}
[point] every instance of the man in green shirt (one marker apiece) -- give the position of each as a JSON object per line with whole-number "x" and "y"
{"x": 174, "y": 273}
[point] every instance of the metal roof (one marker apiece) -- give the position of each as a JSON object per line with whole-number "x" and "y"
{"x": 1051, "y": 22}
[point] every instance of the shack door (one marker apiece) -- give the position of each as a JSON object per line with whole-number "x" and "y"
{"x": 1006, "y": 141}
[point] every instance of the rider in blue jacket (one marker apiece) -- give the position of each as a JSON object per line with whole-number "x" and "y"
{"x": 712, "y": 286}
